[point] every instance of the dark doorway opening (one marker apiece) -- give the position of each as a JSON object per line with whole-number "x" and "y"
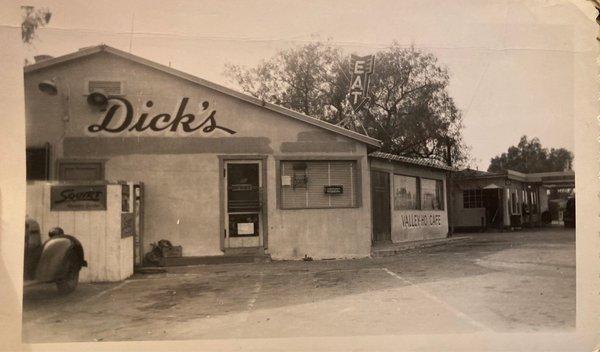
{"x": 492, "y": 201}
{"x": 380, "y": 196}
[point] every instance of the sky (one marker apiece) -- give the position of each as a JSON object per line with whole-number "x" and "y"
{"x": 510, "y": 61}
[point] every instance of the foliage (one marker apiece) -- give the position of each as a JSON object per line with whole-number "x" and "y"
{"x": 409, "y": 109}
{"x": 529, "y": 156}
{"x": 32, "y": 20}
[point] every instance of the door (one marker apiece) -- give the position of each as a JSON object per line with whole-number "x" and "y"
{"x": 243, "y": 204}
{"x": 492, "y": 201}
{"x": 380, "y": 195}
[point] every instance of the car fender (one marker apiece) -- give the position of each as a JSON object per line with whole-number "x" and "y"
{"x": 52, "y": 261}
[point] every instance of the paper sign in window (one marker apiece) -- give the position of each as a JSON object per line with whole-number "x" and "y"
{"x": 245, "y": 228}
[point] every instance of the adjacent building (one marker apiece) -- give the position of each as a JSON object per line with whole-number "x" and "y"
{"x": 409, "y": 198}
{"x": 504, "y": 200}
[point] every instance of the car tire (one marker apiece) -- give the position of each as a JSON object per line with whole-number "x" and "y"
{"x": 68, "y": 284}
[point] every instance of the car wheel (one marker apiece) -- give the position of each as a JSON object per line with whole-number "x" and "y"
{"x": 68, "y": 284}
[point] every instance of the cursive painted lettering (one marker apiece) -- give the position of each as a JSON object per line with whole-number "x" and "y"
{"x": 184, "y": 121}
{"x": 71, "y": 196}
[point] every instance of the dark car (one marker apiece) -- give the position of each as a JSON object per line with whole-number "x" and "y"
{"x": 57, "y": 260}
{"x": 569, "y": 214}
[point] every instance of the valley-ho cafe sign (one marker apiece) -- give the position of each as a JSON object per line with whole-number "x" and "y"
{"x": 362, "y": 68}
{"x": 121, "y": 118}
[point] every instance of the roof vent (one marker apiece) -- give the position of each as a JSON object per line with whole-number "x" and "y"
{"x": 108, "y": 87}
{"x": 39, "y": 58}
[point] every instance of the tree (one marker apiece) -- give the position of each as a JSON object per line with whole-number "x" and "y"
{"x": 409, "y": 109}
{"x": 32, "y": 20}
{"x": 529, "y": 156}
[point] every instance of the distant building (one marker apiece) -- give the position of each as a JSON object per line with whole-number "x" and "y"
{"x": 509, "y": 199}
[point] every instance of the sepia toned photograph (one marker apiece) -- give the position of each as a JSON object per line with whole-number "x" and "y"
{"x": 277, "y": 169}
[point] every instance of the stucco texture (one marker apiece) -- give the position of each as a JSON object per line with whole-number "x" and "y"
{"x": 415, "y": 225}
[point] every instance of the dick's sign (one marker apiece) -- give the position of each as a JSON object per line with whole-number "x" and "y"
{"x": 362, "y": 68}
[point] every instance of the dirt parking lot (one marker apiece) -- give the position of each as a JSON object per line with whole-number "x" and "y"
{"x": 502, "y": 282}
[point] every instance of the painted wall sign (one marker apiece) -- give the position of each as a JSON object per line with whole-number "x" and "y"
{"x": 78, "y": 198}
{"x": 120, "y": 117}
{"x": 362, "y": 68}
{"x": 419, "y": 220}
{"x": 337, "y": 189}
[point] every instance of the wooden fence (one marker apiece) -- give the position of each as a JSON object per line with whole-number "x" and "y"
{"x": 109, "y": 257}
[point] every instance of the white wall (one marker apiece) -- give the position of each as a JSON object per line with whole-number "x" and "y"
{"x": 415, "y": 225}
{"x": 109, "y": 257}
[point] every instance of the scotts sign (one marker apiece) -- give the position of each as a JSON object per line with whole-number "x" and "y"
{"x": 121, "y": 118}
{"x": 72, "y": 198}
{"x": 362, "y": 68}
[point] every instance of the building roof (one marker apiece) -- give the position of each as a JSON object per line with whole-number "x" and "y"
{"x": 88, "y": 51}
{"x": 470, "y": 173}
{"x": 425, "y": 162}
{"x": 557, "y": 178}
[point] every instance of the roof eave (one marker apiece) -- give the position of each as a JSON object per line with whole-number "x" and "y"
{"x": 438, "y": 168}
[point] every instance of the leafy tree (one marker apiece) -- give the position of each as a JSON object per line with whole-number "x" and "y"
{"x": 409, "y": 109}
{"x": 32, "y": 20}
{"x": 529, "y": 156}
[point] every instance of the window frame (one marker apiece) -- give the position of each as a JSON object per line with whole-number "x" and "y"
{"x": 418, "y": 192}
{"x": 441, "y": 201}
{"x": 60, "y": 163}
{"x": 357, "y": 180}
{"x": 47, "y": 156}
{"x": 478, "y": 200}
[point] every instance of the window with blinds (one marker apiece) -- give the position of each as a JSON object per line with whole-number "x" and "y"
{"x": 318, "y": 184}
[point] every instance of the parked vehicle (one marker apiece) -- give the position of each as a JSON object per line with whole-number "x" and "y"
{"x": 569, "y": 214}
{"x": 58, "y": 260}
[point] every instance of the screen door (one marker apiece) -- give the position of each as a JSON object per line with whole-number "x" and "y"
{"x": 243, "y": 204}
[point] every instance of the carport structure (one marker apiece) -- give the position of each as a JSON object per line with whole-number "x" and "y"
{"x": 508, "y": 199}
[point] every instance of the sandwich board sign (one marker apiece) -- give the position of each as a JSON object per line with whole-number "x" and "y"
{"x": 362, "y": 68}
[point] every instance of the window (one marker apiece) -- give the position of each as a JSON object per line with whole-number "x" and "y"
{"x": 37, "y": 163}
{"x": 472, "y": 198}
{"x": 432, "y": 194}
{"x": 406, "y": 195}
{"x": 80, "y": 170}
{"x": 318, "y": 184}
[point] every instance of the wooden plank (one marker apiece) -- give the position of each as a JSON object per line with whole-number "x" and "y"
{"x": 82, "y": 233}
{"x": 66, "y": 220}
{"x": 50, "y": 218}
{"x": 96, "y": 235}
{"x": 35, "y": 201}
{"x": 126, "y": 259}
{"x": 112, "y": 243}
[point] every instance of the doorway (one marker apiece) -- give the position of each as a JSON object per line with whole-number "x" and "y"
{"x": 492, "y": 201}
{"x": 243, "y": 189}
{"x": 380, "y": 198}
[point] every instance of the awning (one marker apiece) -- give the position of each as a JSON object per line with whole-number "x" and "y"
{"x": 492, "y": 186}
